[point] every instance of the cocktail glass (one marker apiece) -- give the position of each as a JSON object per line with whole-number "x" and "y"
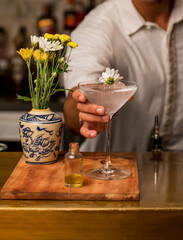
{"x": 112, "y": 98}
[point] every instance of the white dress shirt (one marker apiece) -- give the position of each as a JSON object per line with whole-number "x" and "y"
{"x": 115, "y": 35}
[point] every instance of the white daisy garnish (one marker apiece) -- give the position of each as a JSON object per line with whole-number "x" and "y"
{"x": 110, "y": 76}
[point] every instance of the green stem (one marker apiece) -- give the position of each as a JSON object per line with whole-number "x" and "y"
{"x": 31, "y": 89}
{"x": 52, "y": 92}
{"x": 63, "y": 53}
{"x": 45, "y": 76}
{"x": 38, "y": 84}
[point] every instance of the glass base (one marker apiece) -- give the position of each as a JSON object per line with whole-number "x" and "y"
{"x": 108, "y": 174}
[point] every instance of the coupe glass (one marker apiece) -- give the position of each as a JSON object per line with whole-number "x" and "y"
{"x": 112, "y": 98}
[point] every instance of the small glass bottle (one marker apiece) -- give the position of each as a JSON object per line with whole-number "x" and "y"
{"x": 73, "y": 166}
{"x": 156, "y": 139}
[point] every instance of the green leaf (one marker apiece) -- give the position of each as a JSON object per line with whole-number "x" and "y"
{"x": 66, "y": 66}
{"x": 63, "y": 70}
{"x": 59, "y": 70}
{"x": 70, "y": 90}
{"x": 26, "y": 99}
{"x": 61, "y": 90}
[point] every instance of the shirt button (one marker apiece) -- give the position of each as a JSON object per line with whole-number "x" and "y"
{"x": 148, "y": 27}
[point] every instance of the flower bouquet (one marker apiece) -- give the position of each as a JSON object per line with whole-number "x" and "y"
{"x": 40, "y": 129}
{"x": 50, "y": 61}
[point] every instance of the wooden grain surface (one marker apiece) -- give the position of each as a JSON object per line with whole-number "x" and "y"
{"x": 47, "y": 181}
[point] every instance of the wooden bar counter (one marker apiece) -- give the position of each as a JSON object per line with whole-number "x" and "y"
{"x": 157, "y": 215}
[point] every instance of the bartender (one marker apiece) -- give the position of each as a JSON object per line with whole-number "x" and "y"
{"x": 143, "y": 40}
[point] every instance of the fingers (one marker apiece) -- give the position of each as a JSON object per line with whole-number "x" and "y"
{"x": 88, "y": 111}
{"x": 78, "y": 96}
{"x": 83, "y": 107}
{"x": 91, "y": 108}
{"x": 90, "y": 130}
{"x": 92, "y": 124}
{"x": 92, "y": 117}
{"x": 84, "y": 131}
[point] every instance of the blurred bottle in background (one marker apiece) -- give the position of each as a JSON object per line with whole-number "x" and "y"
{"x": 18, "y": 66}
{"x": 80, "y": 11}
{"x": 74, "y": 13}
{"x": 70, "y": 17}
{"x": 5, "y": 88}
{"x": 21, "y": 39}
{"x": 156, "y": 140}
{"x": 47, "y": 22}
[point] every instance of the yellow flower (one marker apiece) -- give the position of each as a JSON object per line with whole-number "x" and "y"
{"x": 72, "y": 44}
{"x": 44, "y": 55}
{"x": 25, "y": 53}
{"x": 56, "y": 36}
{"x": 52, "y": 56}
{"x": 48, "y": 36}
{"x": 65, "y": 38}
{"x": 38, "y": 55}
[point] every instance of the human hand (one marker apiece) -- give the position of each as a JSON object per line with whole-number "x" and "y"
{"x": 92, "y": 115}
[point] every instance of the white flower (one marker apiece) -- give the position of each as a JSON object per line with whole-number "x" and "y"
{"x": 48, "y": 45}
{"x": 34, "y": 40}
{"x": 44, "y": 44}
{"x": 110, "y": 76}
{"x": 56, "y": 45}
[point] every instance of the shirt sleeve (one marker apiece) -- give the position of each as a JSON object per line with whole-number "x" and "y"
{"x": 95, "y": 51}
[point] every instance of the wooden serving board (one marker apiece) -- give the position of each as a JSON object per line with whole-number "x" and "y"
{"x": 47, "y": 181}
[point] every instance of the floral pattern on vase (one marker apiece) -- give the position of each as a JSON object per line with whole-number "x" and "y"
{"x": 40, "y": 133}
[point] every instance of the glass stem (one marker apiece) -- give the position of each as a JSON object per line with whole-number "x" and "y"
{"x": 108, "y": 141}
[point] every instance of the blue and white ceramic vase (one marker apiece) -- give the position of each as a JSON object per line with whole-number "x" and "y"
{"x": 40, "y": 133}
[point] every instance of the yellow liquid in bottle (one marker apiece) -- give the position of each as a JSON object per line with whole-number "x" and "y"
{"x": 74, "y": 180}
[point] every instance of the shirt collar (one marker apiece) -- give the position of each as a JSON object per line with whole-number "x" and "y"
{"x": 133, "y": 21}
{"x": 131, "y": 18}
{"x": 177, "y": 12}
